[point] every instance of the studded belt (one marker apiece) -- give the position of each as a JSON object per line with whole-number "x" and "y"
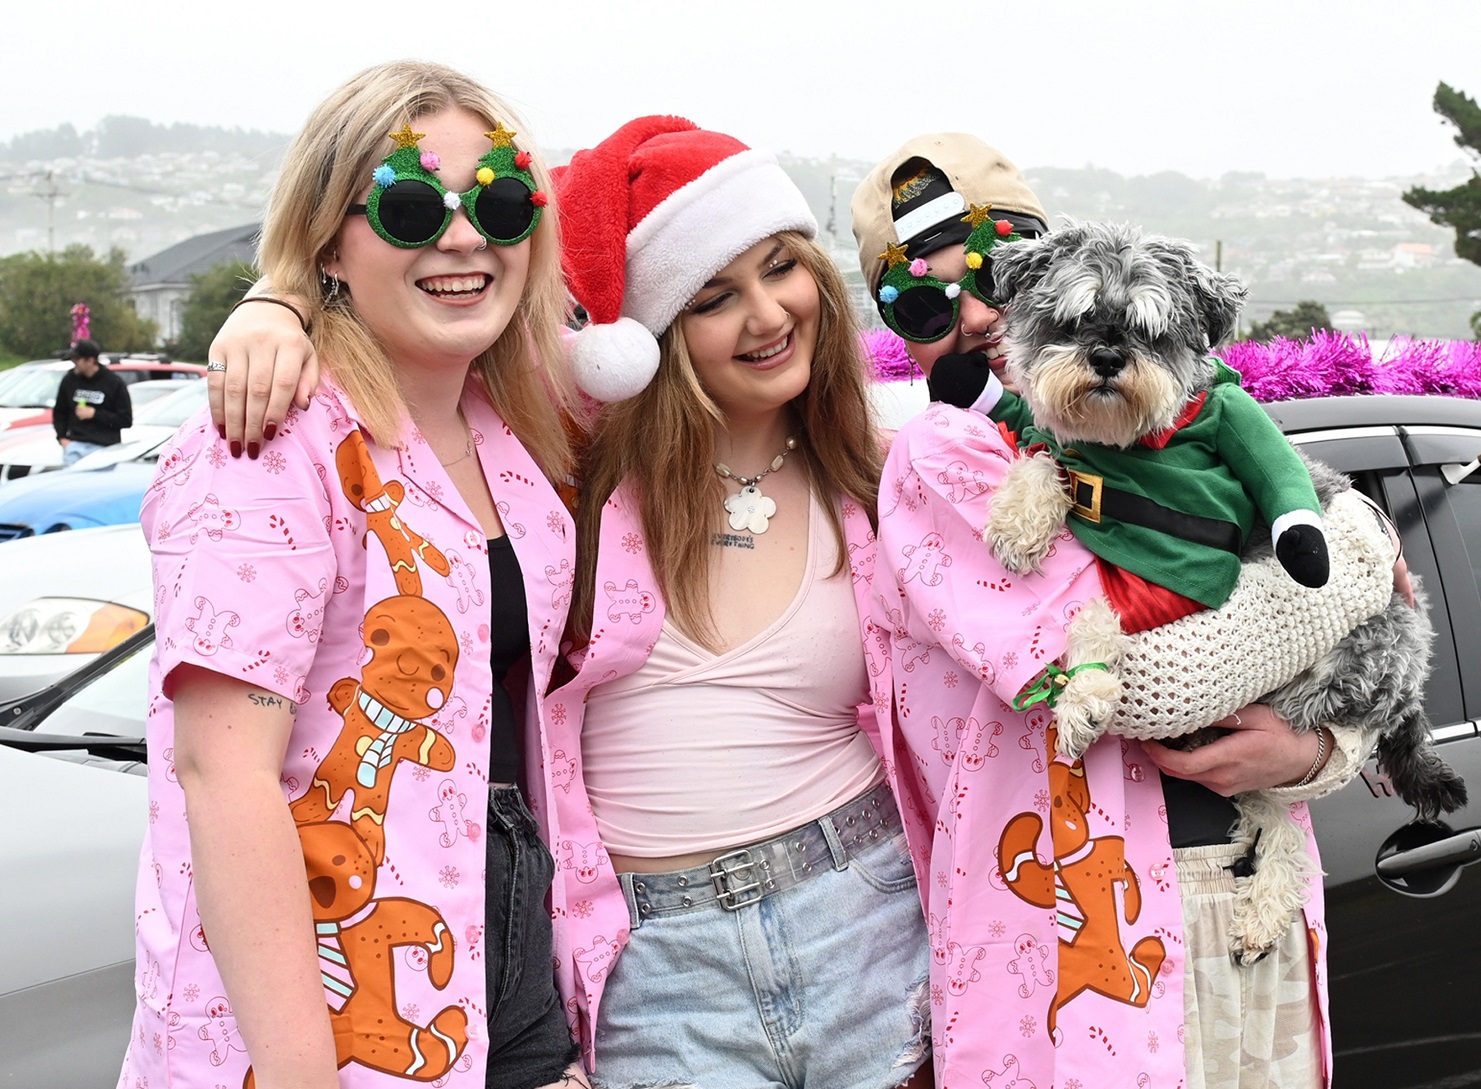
{"x": 749, "y": 874}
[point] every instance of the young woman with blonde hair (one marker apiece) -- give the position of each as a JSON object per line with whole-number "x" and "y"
{"x": 342, "y": 885}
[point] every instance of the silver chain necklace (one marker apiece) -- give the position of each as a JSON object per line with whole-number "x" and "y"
{"x": 748, "y": 508}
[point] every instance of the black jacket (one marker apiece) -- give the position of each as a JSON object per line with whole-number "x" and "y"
{"x": 109, "y": 396}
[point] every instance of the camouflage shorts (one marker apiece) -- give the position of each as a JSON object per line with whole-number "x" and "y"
{"x": 1245, "y": 1027}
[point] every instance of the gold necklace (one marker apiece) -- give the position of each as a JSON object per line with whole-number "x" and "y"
{"x": 748, "y": 508}
{"x": 467, "y": 444}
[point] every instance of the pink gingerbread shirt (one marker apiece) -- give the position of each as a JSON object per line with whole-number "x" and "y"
{"x": 590, "y": 912}
{"x": 353, "y": 581}
{"x": 1049, "y": 886}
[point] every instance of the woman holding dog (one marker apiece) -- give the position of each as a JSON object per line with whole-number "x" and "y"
{"x": 342, "y": 885}
{"x": 1143, "y": 872}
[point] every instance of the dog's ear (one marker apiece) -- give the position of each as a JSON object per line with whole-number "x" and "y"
{"x": 1018, "y": 266}
{"x": 1220, "y": 299}
{"x": 1217, "y": 296}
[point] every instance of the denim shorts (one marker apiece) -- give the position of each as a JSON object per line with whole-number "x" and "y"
{"x": 529, "y": 1042}
{"x": 821, "y": 979}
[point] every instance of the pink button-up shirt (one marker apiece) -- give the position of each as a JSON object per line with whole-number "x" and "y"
{"x": 352, "y": 580}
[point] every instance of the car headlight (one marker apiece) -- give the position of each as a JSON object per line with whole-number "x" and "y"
{"x": 68, "y": 625}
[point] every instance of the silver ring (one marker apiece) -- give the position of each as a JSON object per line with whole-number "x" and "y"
{"x": 215, "y": 366}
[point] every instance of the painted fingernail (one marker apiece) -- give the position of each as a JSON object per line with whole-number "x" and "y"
{"x": 236, "y": 449}
{"x": 221, "y": 430}
{"x": 268, "y": 431}
{"x": 253, "y": 449}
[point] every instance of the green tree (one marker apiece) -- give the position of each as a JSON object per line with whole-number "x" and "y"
{"x": 1293, "y": 324}
{"x": 212, "y": 295}
{"x": 37, "y": 292}
{"x": 1458, "y": 208}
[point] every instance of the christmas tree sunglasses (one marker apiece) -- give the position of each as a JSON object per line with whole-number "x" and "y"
{"x": 924, "y": 309}
{"x": 409, "y": 207}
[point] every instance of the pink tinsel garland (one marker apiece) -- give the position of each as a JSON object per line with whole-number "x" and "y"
{"x": 1325, "y": 364}
{"x": 886, "y": 353}
{"x": 1336, "y": 363}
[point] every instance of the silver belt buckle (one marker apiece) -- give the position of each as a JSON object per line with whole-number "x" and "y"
{"x": 732, "y": 894}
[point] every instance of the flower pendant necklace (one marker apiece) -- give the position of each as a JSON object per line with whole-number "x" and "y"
{"x": 748, "y": 508}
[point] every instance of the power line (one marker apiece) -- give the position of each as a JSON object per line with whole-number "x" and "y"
{"x": 1472, "y": 299}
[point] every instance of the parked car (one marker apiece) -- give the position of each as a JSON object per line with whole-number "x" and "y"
{"x": 32, "y": 393}
{"x": 1405, "y": 949}
{"x": 65, "y": 599}
{"x": 75, "y": 813}
{"x": 28, "y": 451}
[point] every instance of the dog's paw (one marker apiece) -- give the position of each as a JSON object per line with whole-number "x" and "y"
{"x": 1083, "y": 706}
{"x": 1029, "y": 508}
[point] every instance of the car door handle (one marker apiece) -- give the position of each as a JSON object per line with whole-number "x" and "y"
{"x": 1458, "y": 850}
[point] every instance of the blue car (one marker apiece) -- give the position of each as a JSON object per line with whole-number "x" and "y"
{"x": 76, "y": 499}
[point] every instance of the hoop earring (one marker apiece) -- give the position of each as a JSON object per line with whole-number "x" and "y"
{"x": 329, "y": 283}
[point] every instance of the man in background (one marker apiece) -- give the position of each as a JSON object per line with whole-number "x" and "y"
{"x": 93, "y": 405}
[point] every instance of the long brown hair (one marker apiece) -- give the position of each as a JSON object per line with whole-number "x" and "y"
{"x": 663, "y": 442}
{"x": 325, "y": 169}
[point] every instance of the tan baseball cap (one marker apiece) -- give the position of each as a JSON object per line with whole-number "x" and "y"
{"x": 921, "y": 211}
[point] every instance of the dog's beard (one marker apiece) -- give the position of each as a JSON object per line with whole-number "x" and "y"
{"x": 1075, "y": 404}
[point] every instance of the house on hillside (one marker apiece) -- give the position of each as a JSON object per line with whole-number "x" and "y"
{"x": 161, "y": 283}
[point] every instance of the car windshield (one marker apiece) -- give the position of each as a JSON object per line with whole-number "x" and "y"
{"x": 175, "y": 408}
{"x": 116, "y": 702}
{"x": 35, "y": 389}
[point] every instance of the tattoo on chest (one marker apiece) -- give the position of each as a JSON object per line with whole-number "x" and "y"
{"x": 733, "y": 540}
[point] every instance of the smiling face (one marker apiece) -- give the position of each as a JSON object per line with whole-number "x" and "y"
{"x": 751, "y": 331}
{"x": 442, "y": 304}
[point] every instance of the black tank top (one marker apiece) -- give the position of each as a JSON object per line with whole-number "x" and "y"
{"x": 509, "y": 642}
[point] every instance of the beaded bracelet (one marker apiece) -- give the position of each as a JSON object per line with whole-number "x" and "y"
{"x": 1320, "y": 761}
{"x": 277, "y": 302}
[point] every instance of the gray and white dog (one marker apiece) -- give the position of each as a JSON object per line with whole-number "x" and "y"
{"x": 1077, "y": 297}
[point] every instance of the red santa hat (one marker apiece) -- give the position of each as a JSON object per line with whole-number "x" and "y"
{"x": 648, "y": 217}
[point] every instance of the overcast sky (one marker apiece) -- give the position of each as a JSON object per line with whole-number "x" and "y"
{"x": 1291, "y": 88}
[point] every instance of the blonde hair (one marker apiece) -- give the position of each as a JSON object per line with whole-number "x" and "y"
{"x": 326, "y": 169}
{"x": 663, "y": 441}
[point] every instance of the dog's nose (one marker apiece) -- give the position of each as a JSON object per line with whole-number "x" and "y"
{"x": 1107, "y": 362}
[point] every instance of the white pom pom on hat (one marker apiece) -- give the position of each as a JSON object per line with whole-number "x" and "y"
{"x": 648, "y": 217}
{"x": 615, "y": 361}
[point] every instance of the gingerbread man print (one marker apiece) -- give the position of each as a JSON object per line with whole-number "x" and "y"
{"x": 926, "y": 560}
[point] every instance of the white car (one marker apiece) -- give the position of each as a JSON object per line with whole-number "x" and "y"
{"x": 73, "y": 820}
{"x": 67, "y": 597}
{"x": 35, "y": 449}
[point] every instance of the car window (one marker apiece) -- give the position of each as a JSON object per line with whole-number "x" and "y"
{"x": 37, "y": 389}
{"x": 1465, "y": 504}
{"x": 175, "y": 408}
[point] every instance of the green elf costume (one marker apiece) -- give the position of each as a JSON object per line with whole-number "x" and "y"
{"x": 1176, "y": 507}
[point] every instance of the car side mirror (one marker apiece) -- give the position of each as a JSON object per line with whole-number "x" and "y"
{"x": 1425, "y": 858}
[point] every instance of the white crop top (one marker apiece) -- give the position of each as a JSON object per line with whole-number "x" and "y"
{"x": 697, "y": 751}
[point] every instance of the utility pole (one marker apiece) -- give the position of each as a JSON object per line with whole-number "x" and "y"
{"x": 50, "y": 195}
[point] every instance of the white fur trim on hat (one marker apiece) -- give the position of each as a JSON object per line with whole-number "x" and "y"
{"x": 701, "y": 227}
{"x": 614, "y": 362}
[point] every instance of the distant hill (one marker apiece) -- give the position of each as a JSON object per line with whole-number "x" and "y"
{"x": 1349, "y": 243}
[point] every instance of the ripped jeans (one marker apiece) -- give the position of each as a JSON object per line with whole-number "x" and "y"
{"x": 822, "y": 982}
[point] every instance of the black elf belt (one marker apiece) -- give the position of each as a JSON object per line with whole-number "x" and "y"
{"x": 1092, "y": 500}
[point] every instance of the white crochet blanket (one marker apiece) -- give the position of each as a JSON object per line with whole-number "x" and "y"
{"x": 1185, "y": 675}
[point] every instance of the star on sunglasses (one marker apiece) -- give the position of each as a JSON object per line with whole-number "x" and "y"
{"x": 409, "y": 207}
{"x": 922, "y": 308}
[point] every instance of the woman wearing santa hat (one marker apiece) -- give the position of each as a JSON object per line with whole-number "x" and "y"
{"x": 738, "y": 903}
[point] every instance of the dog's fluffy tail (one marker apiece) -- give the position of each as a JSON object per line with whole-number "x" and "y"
{"x": 1417, "y": 772}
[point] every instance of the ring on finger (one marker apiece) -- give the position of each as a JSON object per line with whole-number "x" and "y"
{"x": 215, "y": 366}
